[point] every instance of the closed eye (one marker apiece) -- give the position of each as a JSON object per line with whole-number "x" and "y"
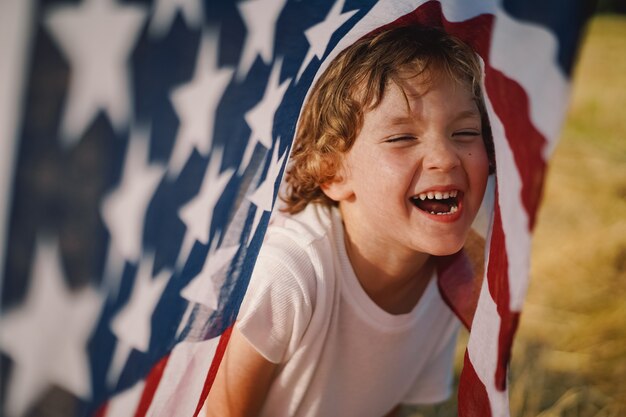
{"x": 466, "y": 134}
{"x": 400, "y": 139}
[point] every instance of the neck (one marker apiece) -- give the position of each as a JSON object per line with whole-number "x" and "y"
{"x": 395, "y": 281}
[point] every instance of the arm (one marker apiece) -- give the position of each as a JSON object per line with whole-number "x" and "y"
{"x": 242, "y": 381}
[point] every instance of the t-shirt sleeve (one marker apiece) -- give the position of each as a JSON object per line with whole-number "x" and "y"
{"x": 434, "y": 383}
{"x": 277, "y": 307}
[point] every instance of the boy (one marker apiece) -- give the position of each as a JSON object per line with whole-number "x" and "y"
{"x": 343, "y": 316}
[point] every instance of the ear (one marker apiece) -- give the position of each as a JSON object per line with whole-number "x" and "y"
{"x": 340, "y": 187}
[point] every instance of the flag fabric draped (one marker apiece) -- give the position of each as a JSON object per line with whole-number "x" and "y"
{"x": 142, "y": 147}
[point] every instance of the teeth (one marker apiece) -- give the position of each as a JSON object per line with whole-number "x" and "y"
{"x": 437, "y": 195}
{"x": 453, "y": 209}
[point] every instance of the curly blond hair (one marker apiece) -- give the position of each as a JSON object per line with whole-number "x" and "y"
{"x": 354, "y": 82}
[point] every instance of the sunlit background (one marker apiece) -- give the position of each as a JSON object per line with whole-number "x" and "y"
{"x": 569, "y": 357}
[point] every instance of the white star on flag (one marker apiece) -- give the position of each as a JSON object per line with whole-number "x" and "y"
{"x": 204, "y": 288}
{"x": 132, "y": 324}
{"x": 47, "y": 336}
{"x": 260, "y": 17}
{"x": 232, "y": 238}
{"x": 261, "y": 117}
{"x": 198, "y": 213}
{"x": 165, "y": 12}
{"x": 319, "y": 35}
{"x": 124, "y": 209}
{"x": 97, "y": 37}
{"x": 196, "y": 103}
{"x": 263, "y": 196}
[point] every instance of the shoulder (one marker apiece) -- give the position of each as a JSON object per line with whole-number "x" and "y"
{"x": 312, "y": 224}
{"x": 297, "y": 245}
{"x": 283, "y": 289}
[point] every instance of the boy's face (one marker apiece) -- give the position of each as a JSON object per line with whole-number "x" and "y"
{"x": 415, "y": 177}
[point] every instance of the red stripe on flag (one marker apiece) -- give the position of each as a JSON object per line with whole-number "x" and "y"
{"x": 476, "y": 31}
{"x": 152, "y": 383}
{"x": 473, "y": 398}
{"x": 498, "y": 280}
{"x": 459, "y": 285}
{"x": 508, "y": 328}
{"x": 497, "y": 270}
{"x": 215, "y": 364}
{"x": 510, "y": 102}
{"x": 428, "y": 14}
{"x": 512, "y": 105}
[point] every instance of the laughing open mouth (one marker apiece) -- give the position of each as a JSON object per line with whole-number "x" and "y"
{"x": 437, "y": 202}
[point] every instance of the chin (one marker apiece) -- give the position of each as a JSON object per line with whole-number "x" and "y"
{"x": 446, "y": 248}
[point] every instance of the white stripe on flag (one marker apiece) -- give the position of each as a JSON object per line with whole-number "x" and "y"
{"x": 482, "y": 349}
{"x": 183, "y": 379}
{"x": 527, "y": 53}
{"x": 514, "y": 216}
{"x": 16, "y": 18}
{"x": 125, "y": 403}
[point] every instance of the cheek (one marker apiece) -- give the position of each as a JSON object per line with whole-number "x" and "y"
{"x": 478, "y": 158}
{"x": 397, "y": 176}
{"x": 396, "y": 164}
{"x": 477, "y": 164}
{"x": 372, "y": 168}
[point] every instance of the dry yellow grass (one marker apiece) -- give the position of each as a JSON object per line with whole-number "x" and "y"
{"x": 569, "y": 359}
{"x": 570, "y": 354}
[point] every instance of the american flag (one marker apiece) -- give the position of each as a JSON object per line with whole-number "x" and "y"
{"x": 142, "y": 144}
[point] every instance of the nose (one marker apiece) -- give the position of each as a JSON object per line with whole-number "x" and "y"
{"x": 441, "y": 155}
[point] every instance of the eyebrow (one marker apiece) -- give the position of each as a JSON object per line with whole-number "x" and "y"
{"x": 400, "y": 120}
{"x": 463, "y": 114}
{"x": 466, "y": 114}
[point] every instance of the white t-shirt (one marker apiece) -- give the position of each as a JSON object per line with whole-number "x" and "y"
{"x": 338, "y": 353}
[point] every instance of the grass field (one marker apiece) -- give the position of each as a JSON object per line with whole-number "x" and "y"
{"x": 569, "y": 358}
